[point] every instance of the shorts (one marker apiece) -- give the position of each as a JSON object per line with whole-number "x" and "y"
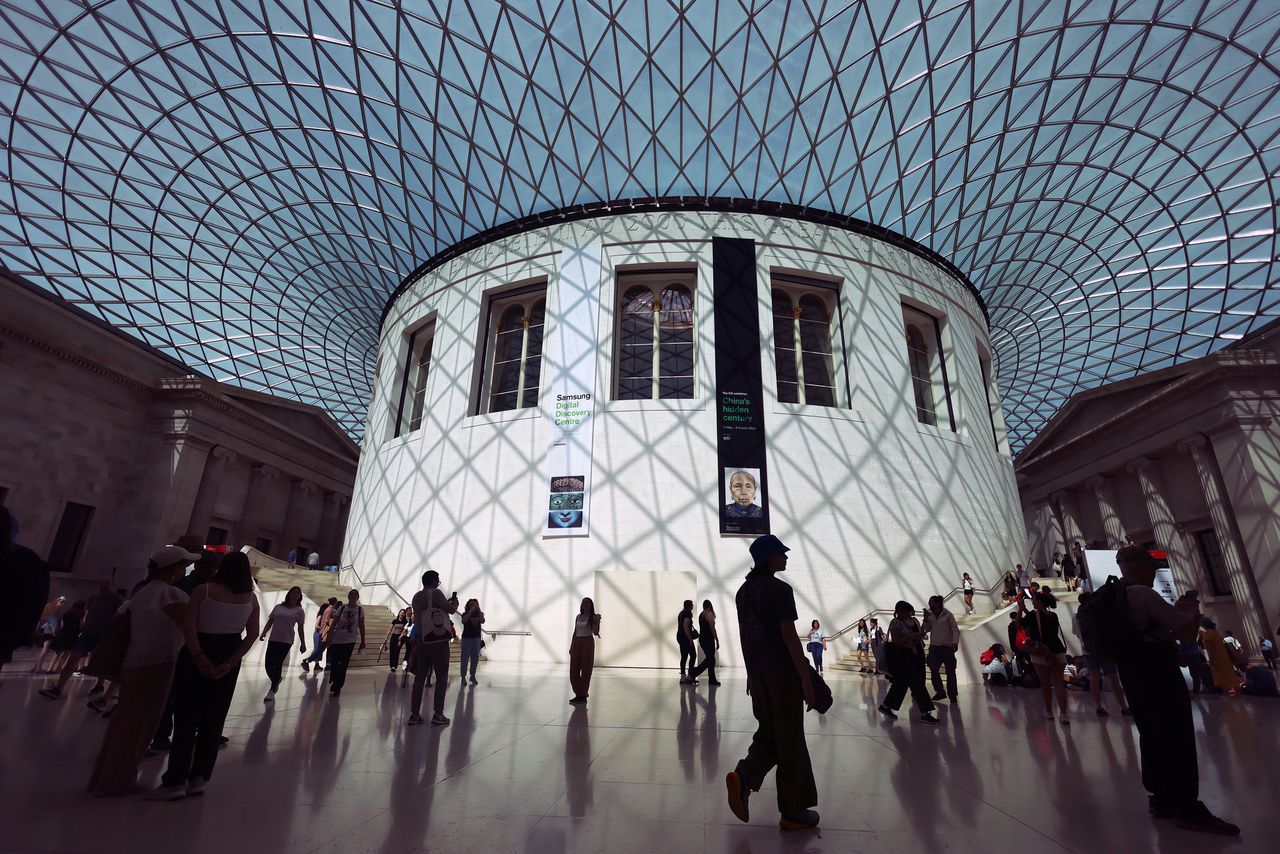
{"x": 1058, "y": 658}
{"x": 86, "y": 643}
{"x": 1099, "y": 664}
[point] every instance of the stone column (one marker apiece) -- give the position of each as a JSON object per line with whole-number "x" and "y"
{"x": 330, "y": 537}
{"x": 293, "y": 514}
{"x": 1186, "y": 572}
{"x": 1069, "y": 516}
{"x": 207, "y": 495}
{"x": 245, "y": 532}
{"x": 1244, "y": 589}
{"x": 1104, "y": 490}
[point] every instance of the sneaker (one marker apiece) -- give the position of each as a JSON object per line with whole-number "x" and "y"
{"x": 738, "y": 794}
{"x": 96, "y": 689}
{"x": 195, "y": 787}
{"x": 928, "y": 718}
{"x": 473, "y": 681}
{"x": 306, "y": 667}
{"x": 1065, "y": 722}
{"x": 577, "y": 701}
{"x": 166, "y": 793}
{"x": 714, "y": 684}
{"x": 439, "y": 720}
{"x": 50, "y": 693}
{"x": 415, "y": 719}
{"x": 806, "y": 820}
{"x": 887, "y": 712}
{"x": 335, "y": 694}
{"x": 223, "y": 741}
{"x": 1199, "y": 818}
{"x": 938, "y": 696}
{"x": 685, "y": 680}
{"x": 1103, "y": 713}
{"x": 98, "y": 705}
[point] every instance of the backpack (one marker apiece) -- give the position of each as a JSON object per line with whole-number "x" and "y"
{"x": 1104, "y": 620}
{"x": 1021, "y": 639}
{"x": 437, "y": 624}
{"x": 987, "y": 657}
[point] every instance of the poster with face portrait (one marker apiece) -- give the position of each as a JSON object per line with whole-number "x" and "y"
{"x": 568, "y": 403}
{"x": 740, "y": 437}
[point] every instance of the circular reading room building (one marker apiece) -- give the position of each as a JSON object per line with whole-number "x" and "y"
{"x": 613, "y": 402}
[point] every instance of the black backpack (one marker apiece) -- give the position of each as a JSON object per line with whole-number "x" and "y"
{"x": 1105, "y": 628}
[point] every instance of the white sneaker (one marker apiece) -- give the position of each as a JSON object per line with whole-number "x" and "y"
{"x": 195, "y": 787}
{"x": 166, "y": 793}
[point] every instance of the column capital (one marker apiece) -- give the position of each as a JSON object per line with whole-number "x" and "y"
{"x": 1192, "y": 443}
{"x": 266, "y": 472}
{"x": 305, "y": 486}
{"x": 1099, "y": 481}
{"x": 223, "y": 454}
{"x": 1062, "y": 495}
{"x": 1141, "y": 464}
{"x": 336, "y": 498}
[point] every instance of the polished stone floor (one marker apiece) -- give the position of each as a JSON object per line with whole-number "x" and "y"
{"x": 640, "y": 770}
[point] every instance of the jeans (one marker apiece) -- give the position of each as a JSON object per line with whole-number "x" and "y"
{"x": 200, "y": 706}
{"x": 277, "y": 652}
{"x": 815, "y": 652}
{"x": 689, "y": 653}
{"x": 395, "y": 652}
{"x": 777, "y": 702}
{"x": 339, "y": 659}
{"x": 470, "y": 653}
{"x": 317, "y": 647}
{"x": 906, "y": 667}
{"x": 431, "y": 658}
{"x": 940, "y": 656}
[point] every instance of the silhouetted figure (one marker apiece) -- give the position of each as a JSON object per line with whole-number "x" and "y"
{"x": 25, "y": 580}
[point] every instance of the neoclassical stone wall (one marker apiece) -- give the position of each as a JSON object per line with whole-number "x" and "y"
{"x": 875, "y": 505}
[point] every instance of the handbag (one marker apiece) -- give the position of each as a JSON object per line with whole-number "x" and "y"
{"x": 108, "y": 656}
{"x": 822, "y": 698}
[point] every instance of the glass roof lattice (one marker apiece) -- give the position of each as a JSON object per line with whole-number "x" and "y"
{"x": 244, "y": 183}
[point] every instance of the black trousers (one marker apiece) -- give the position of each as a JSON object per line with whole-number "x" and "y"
{"x": 938, "y": 658}
{"x": 200, "y": 707}
{"x": 708, "y": 662}
{"x": 339, "y": 659}
{"x": 277, "y": 652}
{"x": 395, "y": 651}
{"x": 1161, "y": 707}
{"x": 432, "y": 658}
{"x": 777, "y": 701}
{"x": 687, "y": 653}
{"x": 906, "y": 668}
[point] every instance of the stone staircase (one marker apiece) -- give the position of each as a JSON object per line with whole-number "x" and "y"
{"x": 973, "y": 623}
{"x": 318, "y": 587}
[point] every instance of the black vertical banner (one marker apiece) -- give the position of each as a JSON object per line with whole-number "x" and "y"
{"x": 740, "y": 443}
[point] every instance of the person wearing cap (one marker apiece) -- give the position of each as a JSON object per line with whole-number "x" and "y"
{"x": 780, "y": 688}
{"x": 156, "y": 612}
{"x": 1158, "y": 696}
{"x": 431, "y": 612}
{"x": 201, "y": 572}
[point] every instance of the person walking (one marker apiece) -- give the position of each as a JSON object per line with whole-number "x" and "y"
{"x": 26, "y": 588}
{"x": 283, "y": 620}
{"x": 472, "y": 620}
{"x": 395, "y": 638}
{"x": 99, "y": 613}
{"x": 431, "y": 612}
{"x": 1099, "y": 666}
{"x": 1048, "y": 651}
{"x": 1268, "y": 649}
{"x": 781, "y": 690}
{"x": 944, "y": 643}
{"x": 47, "y": 630}
{"x": 1148, "y": 661}
{"x": 862, "y": 647}
{"x": 347, "y": 628}
{"x": 319, "y": 636}
{"x": 966, "y": 589}
{"x": 877, "y": 647}
{"x": 313, "y": 561}
{"x": 709, "y": 640}
{"x": 905, "y": 654}
{"x": 156, "y": 611}
{"x": 220, "y": 627}
{"x": 582, "y": 650}
{"x": 1010, "y": 592}
{"x": 817, "y": 645}
{"x": 685, "y": 636}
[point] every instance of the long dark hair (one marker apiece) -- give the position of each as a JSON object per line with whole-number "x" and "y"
{"x": 234, "y": 573}
{"x": 591, "y": 607}
{"x": 288, "y": 596}
{"x": 706, "y": 606}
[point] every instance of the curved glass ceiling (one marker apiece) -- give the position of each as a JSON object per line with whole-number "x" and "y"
{"x": 244, "y": 182}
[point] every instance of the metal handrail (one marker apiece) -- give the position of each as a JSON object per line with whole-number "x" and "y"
{"x": 360, "y": 582}
{"x": 985, "y": 591}
{"x": 494, "y": 633}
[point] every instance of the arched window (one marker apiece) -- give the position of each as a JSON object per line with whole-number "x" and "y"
{"x": 802, "y": 336}
{"x": 412, "y": 398}
{"x": 655, "y": 329}
{"x": 929, "y": 387}
{"x": 515, "y": 343}
{"x": 921, "y": 376}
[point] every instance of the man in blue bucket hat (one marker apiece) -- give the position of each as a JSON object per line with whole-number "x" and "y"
{"x": 780, "y": 688}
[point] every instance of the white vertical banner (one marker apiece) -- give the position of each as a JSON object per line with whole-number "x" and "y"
{"x": 568, "y": 399}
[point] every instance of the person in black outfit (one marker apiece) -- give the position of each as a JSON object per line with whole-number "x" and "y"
{"x": 780, "y": 687}
{"x": 709, "y": 640}
{"x": 1158, "y": 696}
{"x": 26, "y": 589}
{"x": 1048, "y": 651}
{"x": 685, "y": 636}
{"x": 905, "y": 652}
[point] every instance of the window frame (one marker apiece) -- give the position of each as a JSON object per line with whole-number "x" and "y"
{"x": 797, "y": 286}
{"x": 938, "y": 377}
{"x": 656, "y": 281}
{"x": 494, "y": 305}
{"x": 418, "y": 340}
{"x": 1215, "y": 572}
{"x": 73, "y": 552}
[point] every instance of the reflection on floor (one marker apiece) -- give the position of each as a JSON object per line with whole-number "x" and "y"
{"x": 641, "y": 769}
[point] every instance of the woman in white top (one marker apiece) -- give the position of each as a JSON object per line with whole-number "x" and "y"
{"x": 582, "y": 650}
{"x": 156, "y": 613}
{"x": 966, "y": 586}
{"x": 281, "y": 623}
{"x": 220, "y": 627}
{"x": 817, "y": 643}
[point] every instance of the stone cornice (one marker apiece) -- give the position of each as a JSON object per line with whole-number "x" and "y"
{"x": 81, "y": 362}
